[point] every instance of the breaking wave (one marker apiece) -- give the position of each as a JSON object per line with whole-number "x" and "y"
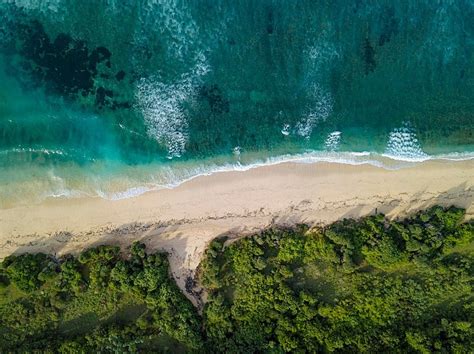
{"x": 403, "y": 143}
{"x": 318, "y": 112}
{"x": 170, "y": 178}
{"x": 333, "y": 141}
{"x": 115, "y": 182}
{"x": 130, "y": 182}
{"x": 160, "y": 99}
{"x": 162, "y": 107}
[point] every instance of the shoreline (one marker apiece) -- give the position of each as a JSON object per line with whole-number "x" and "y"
{"x": 77, "y": 184}
{"x": 183, "y": 220}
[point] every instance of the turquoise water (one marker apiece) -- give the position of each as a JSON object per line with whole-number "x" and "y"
{"x": 113, "y": 98}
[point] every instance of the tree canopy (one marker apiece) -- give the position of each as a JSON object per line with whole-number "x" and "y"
{"x": 97, "y": 302}
{"x": 355, "y": 286}
{"x": 368, "y": 285}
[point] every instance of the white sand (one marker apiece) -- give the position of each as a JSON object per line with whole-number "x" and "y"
{"x": 185, "y": 219}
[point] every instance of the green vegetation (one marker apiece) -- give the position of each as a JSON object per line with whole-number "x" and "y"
{"x": 355, "y": 286}
{"x": 98, "y": 302}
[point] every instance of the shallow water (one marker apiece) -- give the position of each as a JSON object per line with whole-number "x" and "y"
{"x": 115, "y": 98}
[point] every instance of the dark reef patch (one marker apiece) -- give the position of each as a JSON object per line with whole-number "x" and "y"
{"x": 120, "y": 75}
{"x": 103, "y": 97}
{"x": 66, "y": 65}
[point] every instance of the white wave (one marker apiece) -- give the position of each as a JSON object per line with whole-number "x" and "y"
{"x": 361, "y": 153}
{"x": 65, "y": 193}
{"x": 403, "y": 144}
{"x": 319, "y": 111}
{"x": 286, "y": 129}
{"x": 172, "y": 178}
{"x": 162, "y": 107}
{"x": 133, "y": 182}
{"x": 237, "y": 150}
{"x": 176, "y": 23}
{"x": 128, "y": 193}
{"x": 455, "y": 156}
{"x": 333, "y": 141}
{"x": 42, "y": 5}
{"x": 20, "y": 150}
{"x": 56, "y": 187}
{"x": 161, "y": 101}
{"x": 322, "y": 54}
{"x": 169, "y": 178}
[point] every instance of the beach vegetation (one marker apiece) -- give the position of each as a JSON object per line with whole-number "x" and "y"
{"x": 96, "y": 302}
{"x": 370, "y": 285}
{"x": 367, "y": 285}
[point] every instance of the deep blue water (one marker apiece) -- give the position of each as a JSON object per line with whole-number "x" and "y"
{"x": 112, "y": 98}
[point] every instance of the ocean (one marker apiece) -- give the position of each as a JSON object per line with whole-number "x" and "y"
{"x": 115, "y": 98}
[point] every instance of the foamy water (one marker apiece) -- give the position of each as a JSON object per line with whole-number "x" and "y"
{"x": 129, "y": 182}
{"x": 113, "y": 99}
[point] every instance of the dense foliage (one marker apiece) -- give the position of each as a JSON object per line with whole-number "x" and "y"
{"x": 355, "y": 286}
{"x": 366, "y": 286}
{"x": 95, "y": 302}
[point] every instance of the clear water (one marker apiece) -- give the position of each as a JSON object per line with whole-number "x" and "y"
{"x": 113, "y": 98}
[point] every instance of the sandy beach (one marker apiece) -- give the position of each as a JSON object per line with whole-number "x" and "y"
{"x": 183, "y": 220}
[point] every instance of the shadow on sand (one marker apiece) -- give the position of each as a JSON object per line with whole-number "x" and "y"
{"x": 185, "y": 243}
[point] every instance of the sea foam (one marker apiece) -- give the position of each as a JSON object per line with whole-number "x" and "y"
{"x": 131, "y": 181}
{"x": 333, "y": 141}
{"x": 169, "y": 178}
{"x": 403, "y": 144}
{"x": 162, "y": 107}
{"x": 319, "y": 111}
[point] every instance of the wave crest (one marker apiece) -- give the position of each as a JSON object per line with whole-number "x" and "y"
{"x": 162, "y": 107}
{"x": 318, "y": 112}
{"x": 403, "y": 142}
{"x": 333, "y": 141}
